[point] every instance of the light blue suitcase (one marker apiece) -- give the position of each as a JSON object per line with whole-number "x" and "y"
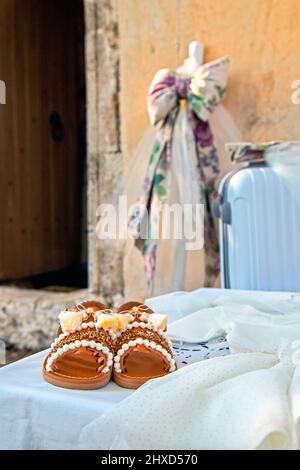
{"x": 259, "y": 231}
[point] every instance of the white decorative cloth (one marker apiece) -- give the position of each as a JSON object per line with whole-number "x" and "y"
{"x": 247, "y": 400}
{"x": 191, "y": 129}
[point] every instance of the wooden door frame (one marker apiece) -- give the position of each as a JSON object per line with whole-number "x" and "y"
{"x": 29, "y": 317}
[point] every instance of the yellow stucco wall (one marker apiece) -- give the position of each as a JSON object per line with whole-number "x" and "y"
{"x": 262, "y": 39}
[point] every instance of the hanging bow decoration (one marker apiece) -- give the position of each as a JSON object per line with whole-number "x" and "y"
{"x": 168, "y": 93}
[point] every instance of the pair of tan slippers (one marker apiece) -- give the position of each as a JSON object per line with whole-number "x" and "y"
{"x": 94, "y": 344}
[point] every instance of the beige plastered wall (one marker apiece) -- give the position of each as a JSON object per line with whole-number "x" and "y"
{"x": 262, "y": 40}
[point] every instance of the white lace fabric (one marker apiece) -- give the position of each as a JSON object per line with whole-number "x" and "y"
{"x": 247, "y": 400}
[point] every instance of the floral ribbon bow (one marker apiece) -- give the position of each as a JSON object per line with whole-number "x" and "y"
{"x": 201, "y": 93}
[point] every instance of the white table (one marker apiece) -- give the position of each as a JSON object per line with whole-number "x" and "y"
{"x": 37, "y": 415}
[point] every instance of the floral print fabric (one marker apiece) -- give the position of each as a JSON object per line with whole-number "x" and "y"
{"x": 200, "y": 93}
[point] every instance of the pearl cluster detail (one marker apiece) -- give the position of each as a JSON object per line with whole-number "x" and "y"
{"x": 161, "y": 333}
{"x": 148, "y": 344}
{"x": 77, "y": 344}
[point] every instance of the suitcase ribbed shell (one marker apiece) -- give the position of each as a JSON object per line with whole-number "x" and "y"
{"x": 260, "y": 247}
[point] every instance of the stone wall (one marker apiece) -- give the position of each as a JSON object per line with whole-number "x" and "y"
{"x": 104, "y": 149}
{"x": 263, "y": 42}
{"x": 28, "y": 318}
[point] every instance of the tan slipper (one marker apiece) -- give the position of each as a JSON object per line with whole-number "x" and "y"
{"x": 81, "y": 356}
{"x": 143, "y": 350}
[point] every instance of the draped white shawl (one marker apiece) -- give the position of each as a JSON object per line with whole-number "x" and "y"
{"x": 248, "y": 400}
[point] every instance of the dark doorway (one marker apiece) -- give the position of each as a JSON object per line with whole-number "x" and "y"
{"x": 43, "y": 144}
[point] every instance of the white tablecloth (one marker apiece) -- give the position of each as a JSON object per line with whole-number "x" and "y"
{"x": 36, "y": 415}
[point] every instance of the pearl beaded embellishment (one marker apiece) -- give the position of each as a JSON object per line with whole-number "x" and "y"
{"x": 77, "y": 344}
